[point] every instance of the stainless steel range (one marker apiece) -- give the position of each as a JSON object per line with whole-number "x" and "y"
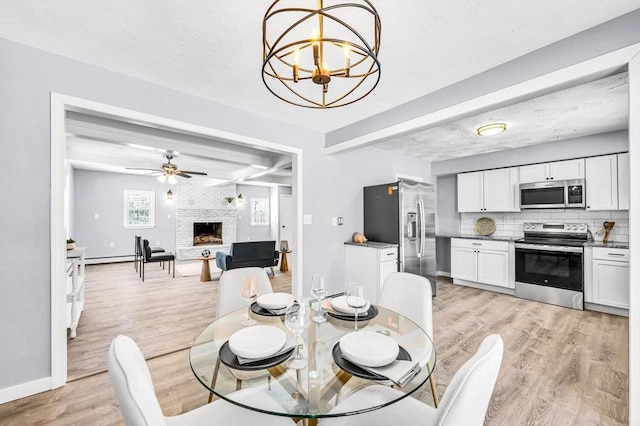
{"x": 549, "y": 263}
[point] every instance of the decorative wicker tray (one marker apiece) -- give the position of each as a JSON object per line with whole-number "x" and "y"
{"x": 485, "y": 226}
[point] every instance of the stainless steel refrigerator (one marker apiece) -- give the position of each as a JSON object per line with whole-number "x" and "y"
{"x": 403, "y": 213}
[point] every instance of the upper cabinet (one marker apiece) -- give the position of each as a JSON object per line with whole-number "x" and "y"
{"x": 558, "y": 170}
{"x": 489, "y": 190}
{"x": 602, "y": 182}
{"x": 623, "y": 181}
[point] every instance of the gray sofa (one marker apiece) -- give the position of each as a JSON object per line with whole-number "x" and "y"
{"x": 262, "y": 254}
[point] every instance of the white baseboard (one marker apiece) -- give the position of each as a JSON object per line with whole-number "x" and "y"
{"x": 443, "y": 274}
{"x": 25, "y": 389}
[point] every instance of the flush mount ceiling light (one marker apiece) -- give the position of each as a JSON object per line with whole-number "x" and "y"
{"x": 314, "y": 57}
{"x": 492, "y": 129}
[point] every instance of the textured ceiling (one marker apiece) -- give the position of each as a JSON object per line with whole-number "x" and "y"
{"x": 596, "y": 107}
{"x": 213, "y": 49}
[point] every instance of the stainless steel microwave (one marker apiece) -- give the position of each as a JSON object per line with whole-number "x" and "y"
{"x": 557, "y": 194}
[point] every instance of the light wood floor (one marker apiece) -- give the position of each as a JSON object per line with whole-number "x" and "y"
{"x": 560, "y": 366}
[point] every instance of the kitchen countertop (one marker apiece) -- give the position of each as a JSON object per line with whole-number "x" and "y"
{"x": 477, "y": 237}
{"x": 372, "y": 244}
{"x": 610, "y": 244}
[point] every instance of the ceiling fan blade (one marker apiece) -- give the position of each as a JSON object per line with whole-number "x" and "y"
{"x": 182, "y": 174}
{"x": 141, "y": 168}
{"x": 193, "y": 173}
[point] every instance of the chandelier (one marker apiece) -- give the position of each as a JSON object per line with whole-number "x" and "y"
{"x": 314, "y": 57}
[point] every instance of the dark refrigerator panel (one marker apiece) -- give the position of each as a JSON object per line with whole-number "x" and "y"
{"x": 381, "y": 213}
{"x": 403, "y": 213}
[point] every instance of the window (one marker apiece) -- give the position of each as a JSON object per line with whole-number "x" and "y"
{"x": 139, "y": 209}
{"x": 259, "y": 212}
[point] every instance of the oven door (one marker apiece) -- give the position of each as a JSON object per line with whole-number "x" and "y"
{"x": 551, "y": 266}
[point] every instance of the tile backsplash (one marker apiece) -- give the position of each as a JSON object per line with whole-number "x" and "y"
{"x": 509, "y": 225}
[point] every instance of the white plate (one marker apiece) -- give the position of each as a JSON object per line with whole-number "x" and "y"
{"x": 274, "y": 300}
{"x": 369, "y": 349}
{"x": 340, "y": 304}
{"x": 258, "y": 341}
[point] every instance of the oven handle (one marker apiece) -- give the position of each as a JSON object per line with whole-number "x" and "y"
{"x": 541, "y": 247}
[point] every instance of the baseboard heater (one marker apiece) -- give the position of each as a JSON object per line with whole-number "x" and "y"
{"x": 109, "y": 259}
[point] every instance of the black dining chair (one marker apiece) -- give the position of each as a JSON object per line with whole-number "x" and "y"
{"x": 137, "y": 259}
{"x": 149, "y": 257}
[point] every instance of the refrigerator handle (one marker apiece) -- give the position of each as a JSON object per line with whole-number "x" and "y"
{"x": 421, "y": 227}
{"x": 419, "y": 239}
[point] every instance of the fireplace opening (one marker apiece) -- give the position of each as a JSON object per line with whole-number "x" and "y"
{"x": 205, "y": 233}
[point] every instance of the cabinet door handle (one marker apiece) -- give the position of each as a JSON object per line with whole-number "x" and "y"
{"x": 476, "y": 244}
{"x": 616, "y": 254}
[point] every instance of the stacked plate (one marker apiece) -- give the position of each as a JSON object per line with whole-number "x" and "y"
{"x": 340, "y": 304}
{"x": 258, "y": 342}
{"x": 369, "y": 349}
{"x": 272, "y": 304}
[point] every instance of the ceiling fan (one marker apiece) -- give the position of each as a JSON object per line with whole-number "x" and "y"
{"x": 169, "y": 171}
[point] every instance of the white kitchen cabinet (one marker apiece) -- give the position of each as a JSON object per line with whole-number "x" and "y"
{"x": 489, "y": 190}
{"x": 623, "y": 181}
{"x": 557, "y": 170}
{"x": 610, "y": 277}
{"x": 602, "y": 182}
{"x": 370, "y": 264}
{"x": 481, "y": 262}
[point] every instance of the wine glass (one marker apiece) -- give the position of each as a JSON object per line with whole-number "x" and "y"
{"x": 319, "y": 290}
{"x": 356, "y": 300}
{"x": 249, "y": 292}
{"x": 297, "y": 320}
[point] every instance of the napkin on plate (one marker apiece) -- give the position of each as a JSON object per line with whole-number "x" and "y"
{"x": 291, "y": 342}
{"x": 399, "y": 372}
{"x": 277, "y": 311}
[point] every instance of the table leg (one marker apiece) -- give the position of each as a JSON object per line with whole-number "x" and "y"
{"x": 205, "y": 274}
{"x": 214, "y": 378}
{"x": 434, "y": 390}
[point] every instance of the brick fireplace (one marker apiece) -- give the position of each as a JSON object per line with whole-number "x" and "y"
{"x": 204, "y": 220}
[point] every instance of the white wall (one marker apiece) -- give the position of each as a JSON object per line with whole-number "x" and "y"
{"x": 102, "y": 194}
{"x": 332, "y": 185}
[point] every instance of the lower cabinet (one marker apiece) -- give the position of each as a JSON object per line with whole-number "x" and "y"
{"x": 481, "y": 262}
{"x": 610, "y": 285}
{"x": 370, "y": 266}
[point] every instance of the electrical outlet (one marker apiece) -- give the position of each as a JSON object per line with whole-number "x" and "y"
{"x": 306, "y": 219}
{"x": 334, "y": 221}
{"x": 168, "y": 216}
{"x": 96, "y": 216}
{"x": 112, "y": 245}
{"x": 340, "y": 221}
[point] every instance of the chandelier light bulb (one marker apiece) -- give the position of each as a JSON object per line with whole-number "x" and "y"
{"x": 162, "y": 178}
{"x": 342, "y": 33}
{"x": 173, "y": 180}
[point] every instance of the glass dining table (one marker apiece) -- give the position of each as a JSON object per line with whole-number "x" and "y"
{"x": 314, "y": 391}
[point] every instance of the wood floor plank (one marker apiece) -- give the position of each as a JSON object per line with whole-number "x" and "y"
{"x": 560, "y": 366}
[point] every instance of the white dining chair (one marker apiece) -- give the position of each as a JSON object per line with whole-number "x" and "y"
{"x": 465, "y": 400}
{"x": 139, "y": 405}
{"x": 229, "y": 298}
{"x": 411, "y": 295}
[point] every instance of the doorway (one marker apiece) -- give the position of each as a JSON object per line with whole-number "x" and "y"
{"x": 60, "y": 106}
